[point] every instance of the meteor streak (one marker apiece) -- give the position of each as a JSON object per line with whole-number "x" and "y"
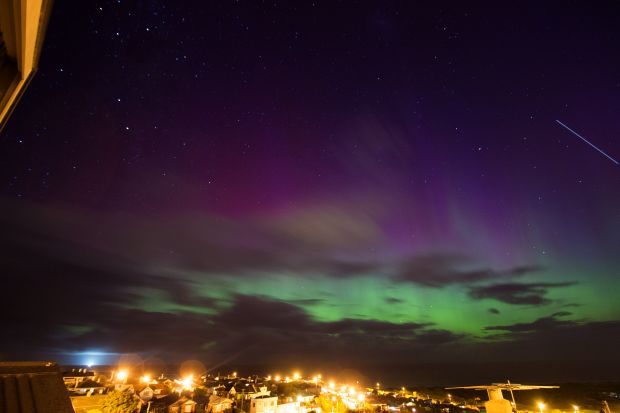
{"x": 587, "y": 141}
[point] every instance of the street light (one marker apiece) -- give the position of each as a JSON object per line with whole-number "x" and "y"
{"x": 121, "y": 375}
{"x": 575, "y": 408}
{"x": 188, "y": 382}
{"x": 541, "y": 406}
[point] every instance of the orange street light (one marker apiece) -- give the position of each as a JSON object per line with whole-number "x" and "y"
{"x": 188, "y": 382}
{"x": 121, "y": 375}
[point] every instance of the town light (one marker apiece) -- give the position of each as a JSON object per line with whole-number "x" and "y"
{"x": 361, "y": 397}
{"x": 268, "y": 377}
{"x": 188, "y": 382}
{"x": 299, "y": 399}
{"x": 145, "y": 379}
{"x": 121, "y": 375}
{"x": 575, "y": 408}
{"x": 296, "y": 376}
{"x": 332, "y": 385}
{"x": 541, "y": 406}
{"x": 277, "y": 377}
{"x": 351, "y": 391}
{"x": 234, "y": 374}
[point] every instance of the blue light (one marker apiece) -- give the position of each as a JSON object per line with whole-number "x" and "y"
{"x": 92, "y": 358}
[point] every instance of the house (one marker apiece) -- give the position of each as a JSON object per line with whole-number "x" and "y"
{"x": 88, "y": 387}
{"x": 263, "y": 404}
{"x": 243, "y": 390}
{"x": 291, "y": 407}
{"x": 75, "y": 376}
{"x": 124, "y": 387}
{"x": 219, "y": 404}
{"x": 160, "y": 389}
{"x": 183, "y": 405}
{"x": 146, "y": 394}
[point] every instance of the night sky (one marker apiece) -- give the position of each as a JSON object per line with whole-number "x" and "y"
{"x": 373, "y": 186}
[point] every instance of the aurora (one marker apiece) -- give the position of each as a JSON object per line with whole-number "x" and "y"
{"x": 379, "y": 188}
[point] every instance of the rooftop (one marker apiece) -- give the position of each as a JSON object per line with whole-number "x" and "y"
{"x": 32, "y": 387}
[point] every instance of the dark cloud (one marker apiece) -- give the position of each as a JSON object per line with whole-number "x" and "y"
{"x": 557, "y": 337}
{"x": 373, "y": 327}
{"x": 250, "y": 311}
{"x": 544, "y": 323}
{"x": 279, "y": 335}
{"x": 261, "y": 312}
{"x": 572, "y": 305}
{"x": 439, "y": 337}
{"x": 197, "y": 242}
{"x": 254, "y": 328}
{"x": 307, "y": 301}
{"x": 439, "y": 270}
{"x": 76, "y": 279}
{"x": 311, "y": 242}
{"x": 124, "y": 254}
{"x": 516, "y": 293}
